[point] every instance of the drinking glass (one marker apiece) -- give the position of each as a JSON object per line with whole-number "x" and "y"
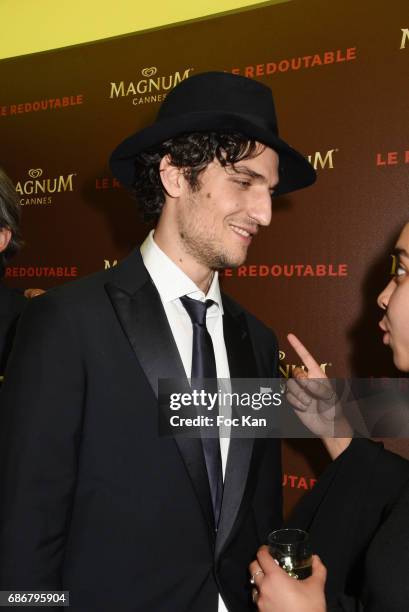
{"x": 291, "y": 548}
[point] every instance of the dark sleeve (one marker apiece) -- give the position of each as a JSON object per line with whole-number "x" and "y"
{"x": 345, "y": 604}
{"x": 386, "y": 566}
{"x": 346, "y": 510}
{"x": 40, "y": 423}
{"x": 386, "y": 582}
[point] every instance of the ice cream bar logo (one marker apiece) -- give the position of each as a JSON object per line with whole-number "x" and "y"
{"x": 151, "y": 87}
{"x": 38, "y": 190}
{"x": 405, "y": 38}
{"x": 322, "y": 161}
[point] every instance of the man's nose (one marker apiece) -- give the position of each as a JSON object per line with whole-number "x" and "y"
{"x": 384, "y": 296}
{"x": 259, "y": 208}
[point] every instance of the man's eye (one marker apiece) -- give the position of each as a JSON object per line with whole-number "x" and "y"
{"x": 243, "y": 184}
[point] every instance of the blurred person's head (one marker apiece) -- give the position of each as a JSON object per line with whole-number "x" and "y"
{"x": 10, "y": 214}
{"x": 394, "y": 300}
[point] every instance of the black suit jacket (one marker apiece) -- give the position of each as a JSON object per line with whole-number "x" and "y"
{"x": 350, "y": 515}
{"x": 93, "y": 500}
{"x": 12, "y": 303}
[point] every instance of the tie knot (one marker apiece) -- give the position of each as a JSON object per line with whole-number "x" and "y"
{"x": 196, "y": 309}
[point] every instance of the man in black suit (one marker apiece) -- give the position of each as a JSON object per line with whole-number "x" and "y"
{"x": 12, "y": 301}
{"x": 94, "y": 501}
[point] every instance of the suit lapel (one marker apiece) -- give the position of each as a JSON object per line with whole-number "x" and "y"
{"x": 140, "y": 312}
{"x": 242, "y": 364}
{"x": 145, "y": 324}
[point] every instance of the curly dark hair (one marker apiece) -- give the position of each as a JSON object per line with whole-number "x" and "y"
{"x": 193, "y": 152}
{"x": 10, "y": 216}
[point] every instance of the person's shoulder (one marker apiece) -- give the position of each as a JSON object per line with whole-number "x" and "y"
{"x": 79, "y": 288}
{"x": 365, "y": 450}
{"x": 386, "y": 471}
{"x": 11, "y": 298}
{"x": 92, "y": 288}
{"x": 87, "y": 296}
{"x": 377, "y": 450}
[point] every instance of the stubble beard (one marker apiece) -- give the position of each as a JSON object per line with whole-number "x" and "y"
{"x": 204, "y": 248}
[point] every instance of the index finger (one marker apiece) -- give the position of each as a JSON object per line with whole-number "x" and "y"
{"x": 305, "y": 356}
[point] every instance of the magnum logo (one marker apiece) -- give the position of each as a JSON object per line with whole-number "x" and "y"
{"x": 405, "y": 37}
{"x": 110, "y": 264}
{"x": 320, "y": 161}
{"x": 287, "y": 369}
{"x": 150, "y": 88}
{"x": 40, "y": 190}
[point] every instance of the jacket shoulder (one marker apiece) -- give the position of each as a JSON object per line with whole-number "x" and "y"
{"x": 127, "y": 274}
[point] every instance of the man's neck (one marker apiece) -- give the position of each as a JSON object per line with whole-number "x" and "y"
{"x": 201, "y": 275}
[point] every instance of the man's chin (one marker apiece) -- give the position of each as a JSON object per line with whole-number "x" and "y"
{"x": 235, "y": 261}
{"x": 232, "y": 264}
{"x": 228, "y": 260}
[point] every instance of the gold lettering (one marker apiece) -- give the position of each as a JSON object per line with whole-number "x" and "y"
{"x": 323, "y": 162}
{"x": 65, "y": 184}
{"x": 405, "y": 37}
{"x": 142, "y": 87}
{"x": 178, "y": 77}
{"x": 154, "y": 84}
{"x": 39, "y": 186}
{"x": 108, "y": 264}
{"x": 28, "y": 187}
{"x": 117, "y": 90}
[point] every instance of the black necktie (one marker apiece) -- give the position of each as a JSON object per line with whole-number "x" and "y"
{"x": 204, "y": 366}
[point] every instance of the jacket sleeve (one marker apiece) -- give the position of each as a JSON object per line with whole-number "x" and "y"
{"x": 40, "y": 427}
{"x": 386, "y": 585}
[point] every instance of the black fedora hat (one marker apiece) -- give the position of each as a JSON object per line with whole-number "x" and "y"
{"x": 217, "y": 101}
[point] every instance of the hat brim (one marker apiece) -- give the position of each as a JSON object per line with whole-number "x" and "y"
{"x": 295, "y": 171}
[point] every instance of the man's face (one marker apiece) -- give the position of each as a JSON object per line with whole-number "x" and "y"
{"x": 394, "y": 299}
{"x": 217, "y": 223}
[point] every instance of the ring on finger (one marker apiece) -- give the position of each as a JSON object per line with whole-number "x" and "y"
{"x": 252, "y": 579}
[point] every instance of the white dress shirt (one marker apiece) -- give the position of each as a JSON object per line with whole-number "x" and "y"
{"x": 172, "y": 283}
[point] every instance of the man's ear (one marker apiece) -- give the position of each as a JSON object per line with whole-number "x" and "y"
{"x": 171, "y": 176}
{"x": 5, "y": 237}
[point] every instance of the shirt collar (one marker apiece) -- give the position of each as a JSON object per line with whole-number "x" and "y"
{"x": 171, "y": 282}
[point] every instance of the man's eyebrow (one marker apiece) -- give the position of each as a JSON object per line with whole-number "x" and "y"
{"x": 251, "y": 173}
{"x": 400, "y": 251}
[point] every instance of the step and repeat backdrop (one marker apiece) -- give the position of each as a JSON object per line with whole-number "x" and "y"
{"x": 339, "y": 73}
